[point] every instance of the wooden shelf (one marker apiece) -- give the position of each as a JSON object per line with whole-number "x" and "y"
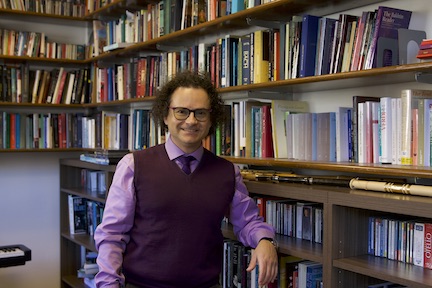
{"x": 288, "y": 245}
{"x": 389, "y": 270}
{"x": 344, "y": 167}
{"x": 74, "y": 281}
{"x": 81, "y": 239}
{"x": 93, "y": 196}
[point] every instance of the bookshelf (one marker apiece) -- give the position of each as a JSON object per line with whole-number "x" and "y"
{"x": 346, "y": 268}
{"x": 71, "y": 245}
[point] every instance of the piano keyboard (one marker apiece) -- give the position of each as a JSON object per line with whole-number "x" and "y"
{"x": 13, "y": 255}
{"x": 10, "y": 252}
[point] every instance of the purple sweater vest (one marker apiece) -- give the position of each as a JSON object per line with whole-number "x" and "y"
{"x": 176, "y": 239}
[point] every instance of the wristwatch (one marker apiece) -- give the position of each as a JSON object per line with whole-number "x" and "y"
{"x": 272, "y": 241}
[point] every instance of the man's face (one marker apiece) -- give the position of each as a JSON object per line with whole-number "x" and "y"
{"x": 188, "y": 134}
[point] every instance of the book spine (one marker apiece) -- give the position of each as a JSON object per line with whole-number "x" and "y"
{"x": 385, "y": 127}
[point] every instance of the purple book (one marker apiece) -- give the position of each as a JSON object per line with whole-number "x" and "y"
{"x": 388, "y": 21}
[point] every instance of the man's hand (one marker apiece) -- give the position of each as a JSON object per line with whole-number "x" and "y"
{"x": 265, "y": 256}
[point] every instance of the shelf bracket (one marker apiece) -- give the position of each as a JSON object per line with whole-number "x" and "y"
{"x": 423, "y": 77}
{"x": 263, "y": 23}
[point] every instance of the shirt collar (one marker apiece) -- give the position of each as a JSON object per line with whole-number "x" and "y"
{"x": 174, "y": 151}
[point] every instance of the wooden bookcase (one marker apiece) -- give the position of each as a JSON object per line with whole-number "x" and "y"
{"x": 71, "y": 183}
{"x": 344, "y": 249}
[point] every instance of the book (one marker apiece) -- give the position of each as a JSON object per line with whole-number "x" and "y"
{"x": 385, "y": 126}
{"x": 261, "y": 56}
{"x": 116, "y": 46}
{"x": 354, "y": 123}
{"x": 424, "y": 107}
{"x": 77, "y": 214}
{"x": 309, "y": 272}
{"x": 342, "y": 32}
{"x": 326, "y": 136}
{"x": 100, "y": 39}
{"x": 246, "y": 59}
{"x": 279, "y": 110}
{"x": 388, "y": 21}
{"x": 308, "y": 44}
{"x": 325, "y": 42}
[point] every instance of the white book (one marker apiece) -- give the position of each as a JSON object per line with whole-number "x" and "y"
{"x": 70, "y": 87}
{"x": 236, "y": 127}
{"x": 289, "y": 135}
{"x": 418, "y": 254}
{"x": 36, "y": 86}
{"x": 120, "y": 82}
{"x": 279, "y": 110}
{"x": 375, "y": 132}
{"x": 361, "y": 128}
{"x": 385, "y": 126}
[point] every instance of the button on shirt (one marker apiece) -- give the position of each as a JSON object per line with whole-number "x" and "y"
{"x": 120, "y": 209}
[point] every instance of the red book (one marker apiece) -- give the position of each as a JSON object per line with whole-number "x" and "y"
{"x": 62, "y": 130}
{"x": 141, "y": 78}
{"x": 424, "y": 53}
{"x": 267, "y": 138}
{"x": 12, "y": 131}
{"x": 428, "y": 246}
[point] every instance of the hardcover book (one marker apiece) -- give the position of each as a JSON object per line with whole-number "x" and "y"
{"x": 77, "y": 214}
{"x": 308, "y": 45}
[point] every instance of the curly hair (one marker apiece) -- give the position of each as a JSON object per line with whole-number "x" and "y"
{"x": 190, "y": 79}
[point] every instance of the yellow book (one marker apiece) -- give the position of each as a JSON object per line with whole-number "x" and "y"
{"x": 261, "y": 56}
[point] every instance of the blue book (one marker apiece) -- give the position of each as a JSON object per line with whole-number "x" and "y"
{"x": 332, "y": 131}
{"x": 308, "y": 44}
{"x": 237, "y": 5}
{"x": 246, "y": 59}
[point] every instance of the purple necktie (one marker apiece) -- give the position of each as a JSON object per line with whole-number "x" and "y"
{"x": 185, "y": 161}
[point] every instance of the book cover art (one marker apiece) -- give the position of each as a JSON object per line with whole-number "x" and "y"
{"x": 77, "y": 214}
{"x": 388, "y": 21}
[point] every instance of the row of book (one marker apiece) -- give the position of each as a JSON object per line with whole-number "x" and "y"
{"x": 404, "y": 240}
{"x": 35, "y": 44}
{"x": 157, "y": 19}
{"x": 19, "y": 84}
{"x": 30, "y": 131}
{"x": 293, "y": 271}
{"x": 298, "y": 219}
{"x": 94, "y": 182}
{"x": 57, "y": 7}
{"x": 391, "y": 130}
{"x": 274, "y": 54}
{"x": 102, "y": 130}
{"x": 84, "y": 215}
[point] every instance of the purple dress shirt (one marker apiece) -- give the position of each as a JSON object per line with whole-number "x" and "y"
{"x": 111, "y": 236}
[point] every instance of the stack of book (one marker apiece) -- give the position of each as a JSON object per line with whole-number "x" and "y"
{"x": 104, "y": 157}
{"x": 425, "y": 51}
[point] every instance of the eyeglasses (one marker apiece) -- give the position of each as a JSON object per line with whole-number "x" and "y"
{"x": 181, "y": 113}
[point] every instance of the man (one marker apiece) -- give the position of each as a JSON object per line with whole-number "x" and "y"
{"x": 161, "y": 225}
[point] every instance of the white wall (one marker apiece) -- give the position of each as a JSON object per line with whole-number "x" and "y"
{"x": 29, "y": 215}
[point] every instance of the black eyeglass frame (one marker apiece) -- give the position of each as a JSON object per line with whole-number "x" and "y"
{"x": 193, "y": 111}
